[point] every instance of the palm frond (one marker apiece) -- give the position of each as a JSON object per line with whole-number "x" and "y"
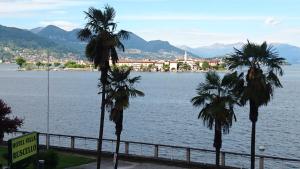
{"x": 84, "y": 34}
{"x": 100, "y": 31}
{"x": 217, "y": 99}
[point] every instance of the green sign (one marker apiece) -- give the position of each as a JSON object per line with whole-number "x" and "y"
{"x": 23, "y": 147}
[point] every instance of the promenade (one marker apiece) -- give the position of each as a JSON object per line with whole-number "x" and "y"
{"x": 107, "y": 163}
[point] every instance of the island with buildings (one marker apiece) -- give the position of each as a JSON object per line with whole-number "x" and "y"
{"x": 181, "y": 64}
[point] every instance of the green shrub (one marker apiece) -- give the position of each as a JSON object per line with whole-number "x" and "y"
{"x": 50, "y": 157}
{"x": 21, "y": 164}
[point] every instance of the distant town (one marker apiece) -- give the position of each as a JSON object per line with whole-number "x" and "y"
{"x": 182, "y": 64}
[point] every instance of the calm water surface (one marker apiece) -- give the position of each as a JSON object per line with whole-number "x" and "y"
{"x": 165, "y": 115}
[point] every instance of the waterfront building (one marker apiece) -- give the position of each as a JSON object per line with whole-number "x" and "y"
{"x": 173, "y": 66}
{"x": 213, "y": 62}
{"x": 159, "y": 65}
{"x": 137, "y": 65}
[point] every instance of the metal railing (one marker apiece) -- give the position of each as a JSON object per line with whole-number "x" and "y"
{"x": 162, "y": 151}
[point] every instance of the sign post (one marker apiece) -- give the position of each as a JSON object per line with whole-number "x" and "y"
{"x": 23, "y": 147}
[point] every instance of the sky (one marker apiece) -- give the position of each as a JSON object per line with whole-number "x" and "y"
{"x": 192, "y": 23}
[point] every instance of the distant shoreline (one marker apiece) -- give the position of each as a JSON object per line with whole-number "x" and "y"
{"x": 95, "y": 70}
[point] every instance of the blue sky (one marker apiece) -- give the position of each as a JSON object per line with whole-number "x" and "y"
{"x": 181, "y": 22}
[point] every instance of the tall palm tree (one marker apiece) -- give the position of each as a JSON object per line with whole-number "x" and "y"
{"x": 119, "y": 90}
{"x": 217, "y": 97}
{"x": 102, "y": 37}
{"x": 263, "y": 67}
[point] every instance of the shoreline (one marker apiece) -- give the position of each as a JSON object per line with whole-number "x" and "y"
{"x": 95, "y": 70}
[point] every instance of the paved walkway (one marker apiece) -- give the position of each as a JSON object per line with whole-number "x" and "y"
{"x": 108, "y": 164}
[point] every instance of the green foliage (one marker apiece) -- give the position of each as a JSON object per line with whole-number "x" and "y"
{"x": 166, "y": 67}
{"x": 183, "y": 66}
{"x": 119, "y": 90}
{"x": 8, "y": 123}
{"x": 38, "y": 64}
{"x": 50, "y": 157}
{"x": 222, "y": 66}
{"x": 72, "y": 64}
{"x": 205, "y": 65}
{"x": 71, "y": 160}
{"x": 56, "y": 64}
{"x": 28, "y": 66}
{"x": 21, "y": 164}
{"x": 264, "y": 67}
{"x": 197, "y": 65}
{"x": 103, "y": 39}
{"x": 123, "y": 67}
{"x": 259, "y": 80}
{"x": 217, "y": 96}
{"x": 20, "y": 61}
{"x": 151, "y": 67}
{"x": 65, "y": 160}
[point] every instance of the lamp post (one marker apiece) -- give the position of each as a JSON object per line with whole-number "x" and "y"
{"x": 261, "y": 159}
{"x": 48, "y": 101}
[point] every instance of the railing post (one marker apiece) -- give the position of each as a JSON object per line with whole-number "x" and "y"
{"x": 222, "y": 159}
{"x": 261, "y": 163}
{"x": 47, "y": 140}
{"x": 72, "y": 142}
{"x": 126, "y": 147}
{"x": 188, "y": 155}
{"x": 156, "y": 151}
{"x": 41, "y": 164}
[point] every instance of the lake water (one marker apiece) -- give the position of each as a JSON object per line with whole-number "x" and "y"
{"x": 165, "y": 115}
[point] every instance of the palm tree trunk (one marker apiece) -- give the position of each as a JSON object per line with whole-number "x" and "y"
{"x": 99, "y": 153}
{"x": 1, "y": 137}
{"x": 253, "y": 117}
{"x": 218, "y": 142}
{"x": 119, "y": 128}
{"x": 117, "y": 150}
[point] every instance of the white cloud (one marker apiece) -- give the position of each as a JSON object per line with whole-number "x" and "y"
{"x": 190, "y": 37}
{"x": 272, "y": 21}
{"x": 58, "y": 12}
{"x": 18, "y": 6}
{"x": 198, "y": 37}
{"x": 62, "y": 24}
{"x": 172, "y": 17}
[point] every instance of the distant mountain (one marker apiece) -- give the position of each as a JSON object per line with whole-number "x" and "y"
{"x": 61, "y": 43}
{"x": 36, "y": 30}
{"x": 289, "y": 52}
{"x": 215, "y": 50}
{"x": 18, "y": 42}
{"x": 154, "y": 48}
{"x": 57, "y": 34}
{"x": 23, "y": 38}
{"x": 136, "y": 47}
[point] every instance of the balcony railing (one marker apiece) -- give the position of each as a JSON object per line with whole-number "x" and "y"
{"x": 162, "y": 151}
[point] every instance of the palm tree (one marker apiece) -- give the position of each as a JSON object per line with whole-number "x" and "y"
{"x": 264, "y": 66}
{"x": 100, "y": 33}
{"x": 119, "y": 90}
{"x": 217, "y": 97}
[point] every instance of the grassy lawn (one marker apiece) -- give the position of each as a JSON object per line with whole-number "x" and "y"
{"x": 70, "y": 160}
{"x": 2, "y": 151}
{"x": 65, "y": 159}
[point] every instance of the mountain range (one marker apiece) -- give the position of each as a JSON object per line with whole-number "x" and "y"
{"x": 289, "y": 52}
{"x": 137, "y": 47}
{"x": 62, "y": 43}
